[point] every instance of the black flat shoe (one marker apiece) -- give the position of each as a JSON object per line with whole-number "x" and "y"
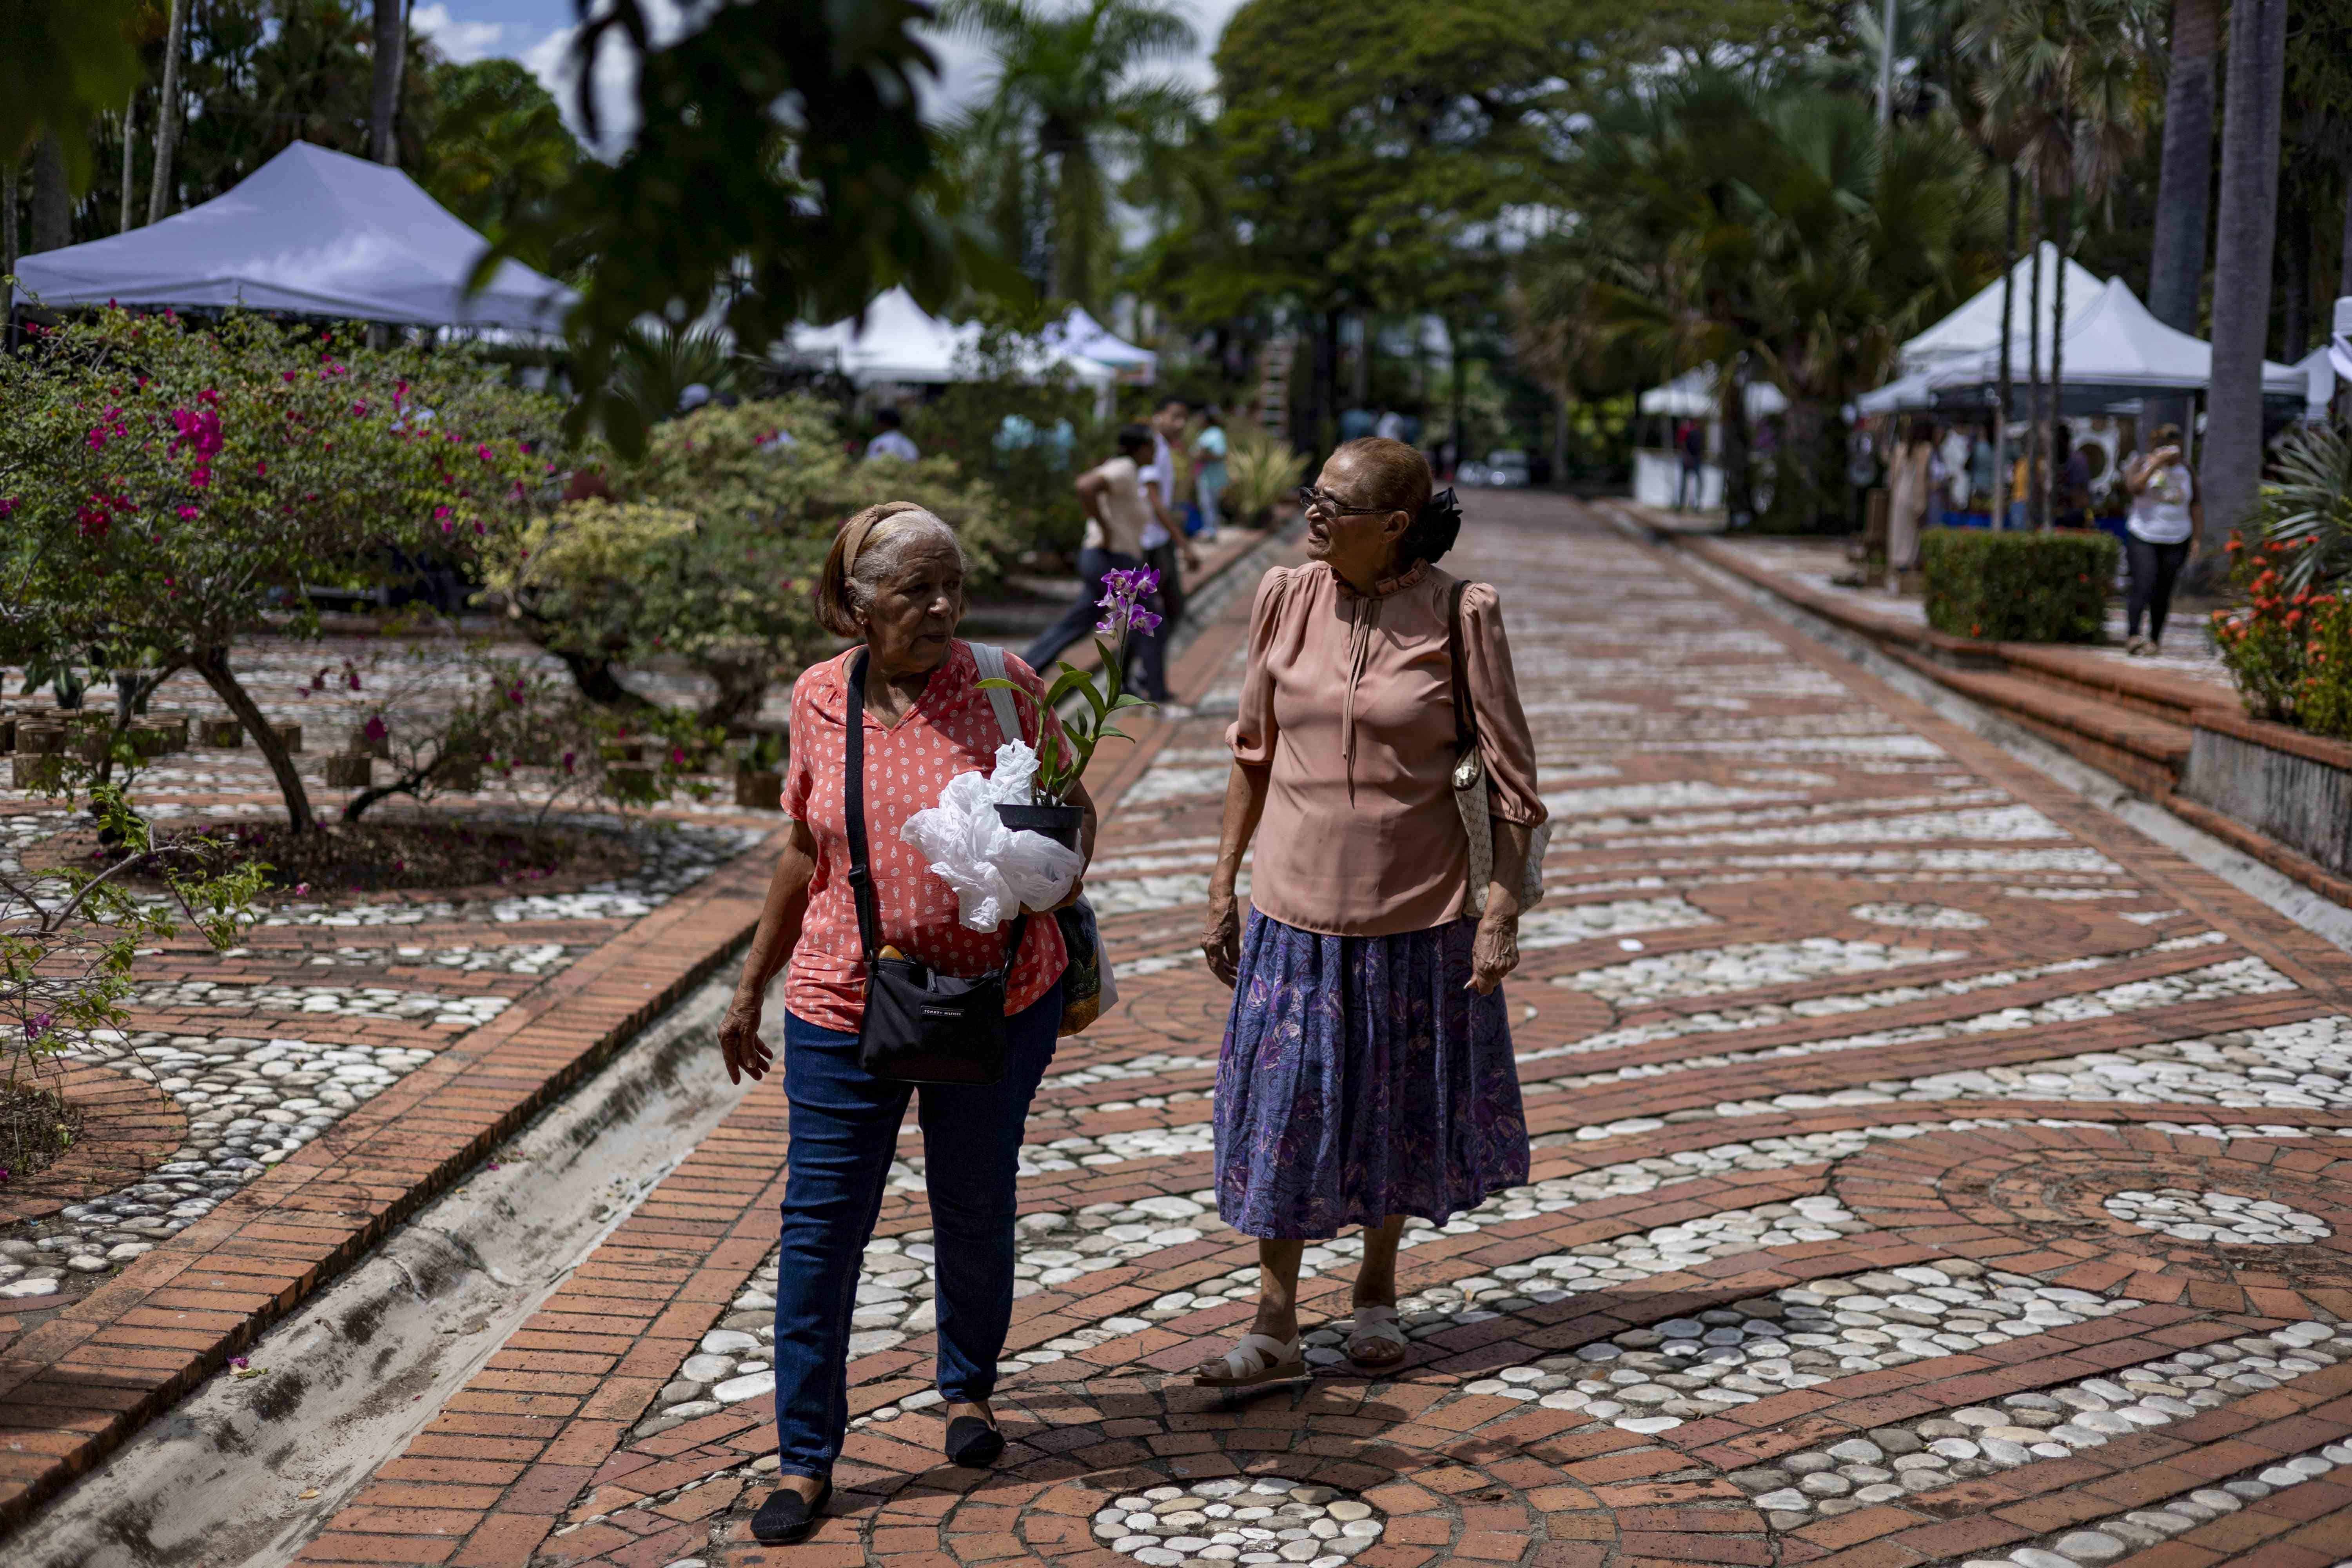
{"x": 974, "y": 1442}
{"x": 787, "y": 1517}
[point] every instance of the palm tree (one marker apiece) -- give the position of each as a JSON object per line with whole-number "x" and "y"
{"x": 1067, "y": 108}
{"x": 2069, "y": 81}
{"x": 2243, "y": 237}
{"x": 1781, "y": 227}
{"x": 2176, "y": 266}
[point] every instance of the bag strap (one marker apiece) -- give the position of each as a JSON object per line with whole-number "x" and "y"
{"x": 1466, "y": 716}
{"x": 990, "y": 660}
{"x": 853, "y": 799}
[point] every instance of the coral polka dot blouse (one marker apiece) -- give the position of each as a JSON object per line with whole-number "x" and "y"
{"x": 951, "y": 730}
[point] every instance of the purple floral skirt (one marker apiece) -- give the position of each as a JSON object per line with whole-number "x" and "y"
{"x": 1361, "y": 1079}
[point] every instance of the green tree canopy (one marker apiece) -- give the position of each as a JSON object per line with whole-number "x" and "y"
{"x": 494, "y": 152}
{"x": 1069, "y": 110}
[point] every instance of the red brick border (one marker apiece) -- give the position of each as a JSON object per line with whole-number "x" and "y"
{"x": 127, "y": 1128}
{"x": 74, "y": 1388}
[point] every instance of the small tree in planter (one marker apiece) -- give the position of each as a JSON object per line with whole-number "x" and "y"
{"x": 168, "y": 487}
{"x": 703, "y": 552}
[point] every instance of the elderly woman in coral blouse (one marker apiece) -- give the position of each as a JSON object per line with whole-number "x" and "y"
{"x": 1367, "y": 1074}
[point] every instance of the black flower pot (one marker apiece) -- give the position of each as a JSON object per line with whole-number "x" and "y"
{"x": 1058, "y": 823}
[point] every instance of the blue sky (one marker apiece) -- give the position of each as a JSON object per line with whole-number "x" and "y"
{"x": 536, "y": 32}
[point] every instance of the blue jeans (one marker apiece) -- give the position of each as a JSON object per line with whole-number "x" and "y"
{"x": 844, "y": 1132}
{"x": 1079, "y": 619}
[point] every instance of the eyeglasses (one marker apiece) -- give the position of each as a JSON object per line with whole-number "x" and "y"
{"x": 1312, "y": 499}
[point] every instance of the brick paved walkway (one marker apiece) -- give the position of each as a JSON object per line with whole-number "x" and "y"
{"x": 1926, "y": 1169}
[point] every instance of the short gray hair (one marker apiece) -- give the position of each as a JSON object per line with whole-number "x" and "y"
{"x": 885, "y": 551}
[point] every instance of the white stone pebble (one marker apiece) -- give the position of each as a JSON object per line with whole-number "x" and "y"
{"x": 2134, "y": 1530}
{"x": 2054, "y": 1423}
{"x": 2222, "y": 1220}
{"x": 1229, "y": 1519}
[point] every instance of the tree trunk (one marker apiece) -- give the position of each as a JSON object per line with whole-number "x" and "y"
{"x": 2295, "y": 313}
{"x": 2175, "y": 269}
{"x": 212, "y": 663}
{"x": 167, "y": 113}
{"x": 1360, "y": 376}
{"x": 2058, "y": 342}
{"x": 2241, "y": 275}
{"x": 52, "y": 203}
{"x": 596, "y": 681}
{"x": 391, "y": 56}
{"x": 1327, "y": 384}
{"x": 2007, "y": 408}
{"x": 1738, "y": 500}
{"x": 1461, "y": 436}
{"x": 8, "y": 218}
{"x": 2036, "y": 517}
{"x": 129, "y": 142}
{"x": 2344, "y": 265}
{"x": 1559, "y": 437}
{"x": 743, "y": 686}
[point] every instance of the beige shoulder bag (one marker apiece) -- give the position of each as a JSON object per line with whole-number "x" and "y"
{"x": 1470, "y": 785}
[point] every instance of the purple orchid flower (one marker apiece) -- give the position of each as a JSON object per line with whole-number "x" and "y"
{"x": 1123, "y": 594}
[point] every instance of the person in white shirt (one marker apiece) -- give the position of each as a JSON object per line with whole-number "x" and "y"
{"x": 2166, "y": 516}
{"x": 892, "y": 442}
{"x": 1118, "y": 507}
{"x": 1165, "y": 548}
{"x": 1390, "y": 426}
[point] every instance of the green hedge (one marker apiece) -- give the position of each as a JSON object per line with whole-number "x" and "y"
{"x": 2018, "y": 587}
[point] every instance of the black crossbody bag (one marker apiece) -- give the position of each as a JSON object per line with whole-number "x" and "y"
{"x": 919, "y": 1026}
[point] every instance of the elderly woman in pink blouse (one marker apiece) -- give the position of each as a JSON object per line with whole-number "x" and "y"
{"x": 1367, "y": 1074}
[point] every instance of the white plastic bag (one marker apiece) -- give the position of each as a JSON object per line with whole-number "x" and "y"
{"x": 993, "y": 870}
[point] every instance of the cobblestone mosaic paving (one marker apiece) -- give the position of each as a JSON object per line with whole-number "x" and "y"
{"x": 1927, "y": 1170}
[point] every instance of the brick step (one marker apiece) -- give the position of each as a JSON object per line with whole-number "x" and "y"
{"x": 2158, "y": 693}
{"x": 2147, "y": 752}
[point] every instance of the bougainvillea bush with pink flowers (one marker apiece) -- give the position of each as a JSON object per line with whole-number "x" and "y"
{"x": 169, "y": 489}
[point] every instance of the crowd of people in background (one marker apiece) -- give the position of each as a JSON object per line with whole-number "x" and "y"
{"x": 1930, "y": 468}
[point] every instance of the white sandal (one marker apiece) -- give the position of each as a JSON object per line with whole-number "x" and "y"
{"x": 1259, "y": 1358}
{"x": 1376, "y": 1326}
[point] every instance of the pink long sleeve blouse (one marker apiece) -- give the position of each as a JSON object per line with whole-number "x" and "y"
{"x": 1348, "y": 697}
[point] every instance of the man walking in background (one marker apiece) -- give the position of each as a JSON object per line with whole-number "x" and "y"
{"x": 1118, "y": 511}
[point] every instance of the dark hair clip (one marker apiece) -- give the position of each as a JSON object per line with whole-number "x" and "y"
{"x": 1438, "y": 526}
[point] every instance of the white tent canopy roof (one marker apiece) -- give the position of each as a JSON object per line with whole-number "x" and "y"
{"x": 1083, "y": 335}
{"x": 899, "y": 340}
{"x": 2114, "y": 341}
{"x": 1977, "y": 325}
{"x": 311, "y": 233}
{"x": 1693, "y": 396}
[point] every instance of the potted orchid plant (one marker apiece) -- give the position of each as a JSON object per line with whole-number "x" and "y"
{"x": 1062, "y": 759}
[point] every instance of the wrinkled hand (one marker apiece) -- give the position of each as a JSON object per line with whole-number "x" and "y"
{"x": 1221, "y": 942}
{"x": 1494, "y": 951}
{"x": 740, "y": 1042}
{"x": 1077, "y": 890}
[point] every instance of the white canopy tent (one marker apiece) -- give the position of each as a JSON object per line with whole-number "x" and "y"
{"x": 899, "y": 340}
{"x": 2116, "y": 351}
{"x": 1976, "y": 326}
{"x": 2329, "y": 367}
{"x": 311, "y": 233}
{"x": 1693, "y": 396}
{"x": 1082, "y": 335}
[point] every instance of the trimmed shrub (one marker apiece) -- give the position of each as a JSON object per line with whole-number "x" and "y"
{"x": 2018, "y": 587}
